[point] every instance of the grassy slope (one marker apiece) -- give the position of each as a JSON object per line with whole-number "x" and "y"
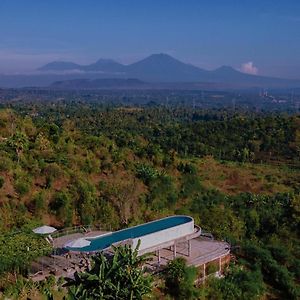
{"x": 234, "y": 178}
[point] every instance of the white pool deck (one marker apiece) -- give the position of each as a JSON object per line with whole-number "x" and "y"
{"x": 63, "y": 240}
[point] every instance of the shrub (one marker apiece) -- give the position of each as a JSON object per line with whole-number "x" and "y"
{"x": 180, "y": 280}
{"x": 22, "y": 187}
{"x": 146, "y": 173}
{"x": 53, "y": 170}
{"x": 211, "y": 268}
{"x": 39, "y": 202}
{"x": 187, "y": 168}
{"x": 1, "y": 182}
{"x": 5, "y": 163}
{"x": 51, "y": 281}
{"x": 122, "y": 277}
{"x": 62, "y": 207}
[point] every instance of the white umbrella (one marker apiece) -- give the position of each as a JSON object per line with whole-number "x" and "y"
{"x": 79, "y": 243}
{"x": 44, "y": 229}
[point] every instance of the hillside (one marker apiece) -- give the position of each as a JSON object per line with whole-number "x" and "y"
{"x": 71, "y": 163}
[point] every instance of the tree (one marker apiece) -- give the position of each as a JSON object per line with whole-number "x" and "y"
{"x": 239, "y": 283}
{"x": 124, "y": 196}
{"x": 146, "y": 173}
{"x": 19, "y": 142}
{"x": 119, "y": 277}
{"x": 61, "y": 205}
{"x": 17, "y": 250}
{"x": 180, "y": 280}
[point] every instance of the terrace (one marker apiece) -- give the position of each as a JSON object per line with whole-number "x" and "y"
{"x": 165, "y": 239}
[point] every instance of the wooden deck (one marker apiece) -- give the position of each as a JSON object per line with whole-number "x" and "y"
{"x": 202, "y": 251}
{"x": 198, "y": 251}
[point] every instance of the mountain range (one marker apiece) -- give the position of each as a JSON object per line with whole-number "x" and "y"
{"x": 155, "y": 70}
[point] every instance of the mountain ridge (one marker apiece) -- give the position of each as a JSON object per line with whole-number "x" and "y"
{"x": 162, "y": 67}
{"x": 154, "y": 69}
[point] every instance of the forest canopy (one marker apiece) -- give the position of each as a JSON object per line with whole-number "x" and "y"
{"x": 236, "y": 173}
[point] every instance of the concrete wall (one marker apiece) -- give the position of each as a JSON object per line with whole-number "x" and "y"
{"x": 166, "y": 235}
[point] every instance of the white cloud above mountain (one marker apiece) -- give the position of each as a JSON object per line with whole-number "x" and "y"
{"x": 249, "y": 68}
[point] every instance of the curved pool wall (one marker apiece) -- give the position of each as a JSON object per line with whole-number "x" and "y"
{"x": 150, "y": 234}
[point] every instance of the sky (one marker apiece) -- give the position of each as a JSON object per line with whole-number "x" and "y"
{"x": 255, "y": 36}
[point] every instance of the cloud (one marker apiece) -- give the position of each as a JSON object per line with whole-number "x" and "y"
{"x": 249, "y": 68}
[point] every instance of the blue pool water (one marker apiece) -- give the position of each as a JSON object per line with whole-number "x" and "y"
{"x": 103, "y": 242}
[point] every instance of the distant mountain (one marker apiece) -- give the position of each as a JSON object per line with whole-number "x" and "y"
{"x": 104, "y": 65}
{"x": 227, "y": 74}
{"x": 104, "y": 83}
{"x": 165, "y": 68}
{"x": 226, "y": 71}
{"x": 60, "y": 66}
{"x": 157, "y": 68}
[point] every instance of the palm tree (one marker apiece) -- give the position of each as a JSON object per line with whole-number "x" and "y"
{"x": 119, "y": 277}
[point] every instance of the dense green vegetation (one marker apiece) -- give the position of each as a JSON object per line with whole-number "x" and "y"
{"x": 179, "y": 280}
{"x": 236, "y": 173}
{"x": 120, "y": 277}
{"x": 19, "y": 249}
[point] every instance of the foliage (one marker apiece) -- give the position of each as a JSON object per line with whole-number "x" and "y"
{"x": 180, "y": 280}
{"x": 61, "y": 205}
{"x": 18, "y": 249}
{"x": 18, "y": 142}
{"x": 119, "y": 277}
{"x": 146, "y": 173}
{"x": 21, "y": 187}
{"x": 273, "y": 272}
{"x": 23, "y": 288}
{"x": 2, "y": 181}
{"x": 236, "y": 172}
{"x": 239, "y": 284}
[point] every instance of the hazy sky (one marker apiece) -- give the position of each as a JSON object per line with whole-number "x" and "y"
{"x": 258, "y": 36}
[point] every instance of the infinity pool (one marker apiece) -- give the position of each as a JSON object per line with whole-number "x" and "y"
{"x": 166, "y": 228}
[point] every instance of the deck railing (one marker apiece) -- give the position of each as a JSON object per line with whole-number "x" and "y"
{"x": 77, "y": 229}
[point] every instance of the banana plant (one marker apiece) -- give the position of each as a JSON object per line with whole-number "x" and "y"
{"x": 121, "y": 276}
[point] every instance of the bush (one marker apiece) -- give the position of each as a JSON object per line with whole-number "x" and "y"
{"x": 122, "y": 277}
{"x": 146, "y": 173}
{"x": 53, "y": 170}
{"x": 14, "y": 255}
{"x": 163, "y": 192}
{"x": 22, "y": 187}
{"x": 1, "y": 182}
{"x": 5, "y": 163}
{"x": 273, "y": 272}
{"x": 238, "y": 284}
{"x": 180, "y": 280}
{"x": 190, "y": 185}
{"x": 211, "y": 268}
{"x": 187, "y": 168}
{"x": 39, "y": 202}
{"x": 62, "y": 207}
{"x": 51, "y": 281}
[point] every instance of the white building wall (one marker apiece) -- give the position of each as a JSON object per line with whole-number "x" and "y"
{"x": 165, "y": 235}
